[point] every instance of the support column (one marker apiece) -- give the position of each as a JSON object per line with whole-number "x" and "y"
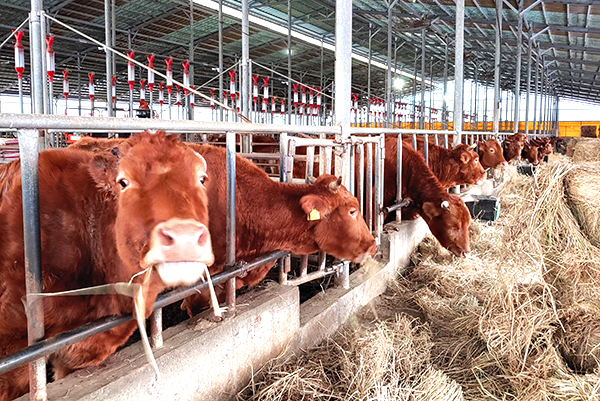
{"x": 423, "y": 86}
{"x": 37, "y": 56}
{"x": 343, "y": 83}
{"x": 245, "y": 79}
{"x": 459, "y": 44}
{"x": 518, "y": 67}
{"x": 497, "y": 60}
{"x": 444, "y": 118}
{"x": 221, "y": 67}
{"x": 388, "y": 77}
{"x": 289, "y": 62}
{"x": 368, "y": 76}
{"x": 109, "y": 57}
{"x": 535, "y": 93}
{"x": 528, "y": 89}
{"x": 190, "y": 110}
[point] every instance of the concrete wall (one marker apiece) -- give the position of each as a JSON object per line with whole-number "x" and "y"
{"x": 203, "y": 360}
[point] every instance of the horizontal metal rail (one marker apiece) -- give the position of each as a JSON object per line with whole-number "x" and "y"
{"x": 55, "y": 343}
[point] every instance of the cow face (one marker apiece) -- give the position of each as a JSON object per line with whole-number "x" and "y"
{"x": 162, "y": 216}
{"x": 337, "y": 225}
{"x": 490, "y": 154}
{"x": 449, "y": 222}
{"x": 512, "y": 149}
{"x": 530, "y": 153}
{"x": 471, "y": 170}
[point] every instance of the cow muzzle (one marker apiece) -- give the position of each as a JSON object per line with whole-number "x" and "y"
{"x": 180, "y": 250}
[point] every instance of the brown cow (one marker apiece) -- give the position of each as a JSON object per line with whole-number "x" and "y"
{"x": 490, "y": 154}
{"x": 273, "y": 216}
{"x": 530, "y": 153}
{"x": 544, "y": 145}
{"x": 456, "y": 166}
{"x": 260, "y": 144}
{"x": 513, "y": 146}
{"x": 104, "y": 218}
{"x": 446, "y": 215}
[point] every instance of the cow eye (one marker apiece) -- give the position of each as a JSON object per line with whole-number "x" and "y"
{"x": 353, "y": 212}
{"x": 202, "y": 179}
{"x": 492, "y": 150}
{"x": 124, "y": 183}
{"x": 477, "y": 160}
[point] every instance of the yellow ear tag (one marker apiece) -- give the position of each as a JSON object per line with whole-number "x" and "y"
{"x": 314, "y": 215}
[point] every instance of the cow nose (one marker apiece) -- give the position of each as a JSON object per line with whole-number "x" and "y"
{"x": 180, "y": 250}
{"x": 181, "y": 240}
{"x": 505, "y": 163}
{"x": 181, "y": 234}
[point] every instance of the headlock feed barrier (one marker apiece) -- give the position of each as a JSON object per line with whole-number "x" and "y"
{"x": 358, "y": 157}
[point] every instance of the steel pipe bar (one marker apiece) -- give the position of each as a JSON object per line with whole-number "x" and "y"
{"x": 50, "y": 345}
{"x": 28, "y": 149}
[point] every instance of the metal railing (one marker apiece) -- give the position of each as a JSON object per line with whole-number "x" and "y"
{"x": 366, "y": 144}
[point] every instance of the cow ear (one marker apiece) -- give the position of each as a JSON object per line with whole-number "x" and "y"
{"x": 464, "y": 157}
{"x": 103, "y": 170}
{"x": 431, "y": 210}
{"x": 312, "y": 202}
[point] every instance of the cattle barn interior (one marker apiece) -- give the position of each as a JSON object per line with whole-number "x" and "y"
{"x": 249, "y": 175}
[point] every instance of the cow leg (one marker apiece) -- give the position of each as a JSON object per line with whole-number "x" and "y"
{"x": 15, "y": 382}
{"x": 91, "y": 351}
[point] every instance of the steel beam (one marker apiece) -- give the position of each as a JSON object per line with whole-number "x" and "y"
{"x": 37, "y": 57}
{"x": 497, "y": 67}
{"x": 518, "y": 66}
{"x": 459, "y": 44}
{"x": 109, "y": 56}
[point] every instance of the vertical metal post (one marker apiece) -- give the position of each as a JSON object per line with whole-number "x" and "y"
{"x": 44, "y": 67}
{"x": 497, "y": 67}
{"x": 518, "y": 67}
{"x": 399, "y": 177}
{"x": 221, "y": 68}
{"x": 360, "y": 191}
{"x": 370, "y": 193}
{"x": 369, "y": 76}
{"x": 245, "y": 78}
{"x": 414, "y": 92}
{"x": 37, "y": 57}
{"x": 528, "y": 89}
{"x": 459, "y": 44}
{"x": 113, "y": 35}
{"x": 156, "y": 338}
{"x": 289, "y": 62}
{"x": 343, "y": 76}
{"x": 426, "y": 147}
{"x": 28, "y": 149}
{"x": 535, "y": 93}
{"x": 476, "y": 97}
{"x": 423, "y": 86}
{"x": 444, "y": 104}
{"x": 79, "y": 84}
{"x": 388, "y": 77}
{"x": 231, "y": 217}
{"x": 108, "y": 57}
{"x": 191, "y": 58}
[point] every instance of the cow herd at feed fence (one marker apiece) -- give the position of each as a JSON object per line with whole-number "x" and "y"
{"x": 158, "y": 212}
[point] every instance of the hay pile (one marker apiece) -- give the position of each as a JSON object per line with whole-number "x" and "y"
{"x": 518, "y": 320}
{"x": 584, "y": 150}
{"x": 583, "y": 192}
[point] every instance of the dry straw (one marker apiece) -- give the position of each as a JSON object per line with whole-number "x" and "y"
{"x": 518, "y": 320}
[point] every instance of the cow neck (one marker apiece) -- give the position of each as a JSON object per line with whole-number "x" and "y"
{"x": 421, "y": 185}
{"x": 279, "y": 223}
{"x": 443, "y": 164}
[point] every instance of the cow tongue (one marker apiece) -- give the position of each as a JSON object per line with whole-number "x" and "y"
{"x": 184, "y": 273}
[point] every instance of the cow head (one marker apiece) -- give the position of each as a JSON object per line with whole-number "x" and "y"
{"x": 512, "y": 149}
{"x": 530, "y": 153}
{"x": 448, "y": 220}
{"x": 490, "y": 154}
{"x": 470, "y": 169}
{"x": 161, "y": 206}
{"x": 337, "y": 224}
